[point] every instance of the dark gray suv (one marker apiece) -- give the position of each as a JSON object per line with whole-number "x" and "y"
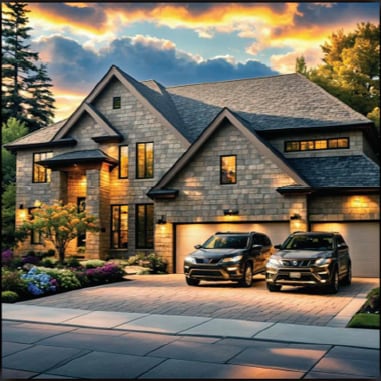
{"x": 228, "y": 256}
{"x": 310, "y": 259}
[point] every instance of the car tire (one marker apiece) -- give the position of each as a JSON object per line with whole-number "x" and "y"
{"x": 247, "y": 279}
{"x": 333, "y": 287}
{"x": 192, "y": 281}
{"x": 273, "y": 287}
{"x": 348, "y": 278}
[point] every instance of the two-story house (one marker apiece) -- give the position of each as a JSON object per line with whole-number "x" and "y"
{"x": 164, "y": 168}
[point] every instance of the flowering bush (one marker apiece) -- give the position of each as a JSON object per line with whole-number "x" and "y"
{"x": 39, "y": 282}
{"x": 11, "y": 281}
{"x": 65, "y": 279}
{"x": 110, "y": 272}
{"x": 6, "y": 257}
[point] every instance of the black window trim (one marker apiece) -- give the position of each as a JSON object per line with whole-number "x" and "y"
{"x": 315, "y": 140}
{"x": 235, "y": 169}
{"x": 44, "y": 168}
{"x": 145, "y": 247}
{"x": 120, "y": 165}
{"x": 145, "y": 161}
{"x": 117, "y": 103}
{"x": 119, "y": 230}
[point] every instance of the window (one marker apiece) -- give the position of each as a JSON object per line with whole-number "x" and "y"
{"x": 318, "y": 144}
{"x": 123, "y": 162}
{"x": 119, "y": 226}
{"x": 116, "y": 103}
{"x": 228, "y": 169}
{"x": 144, "y": 160}
{"x": 144, "y": 226}
{"x": 40, "y": 173}
{"x": 35, "y": 235}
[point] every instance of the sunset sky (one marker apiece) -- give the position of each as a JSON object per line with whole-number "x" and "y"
{"x": 179, "y": 43}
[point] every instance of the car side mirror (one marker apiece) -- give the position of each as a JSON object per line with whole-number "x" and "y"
{"x": 278, "y": 246}
{"x": 197, "y": 247}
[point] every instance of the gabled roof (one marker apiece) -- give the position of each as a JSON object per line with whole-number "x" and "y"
{"x": 356, "y": 171}
{"x": 281, "y": 102}
{"x": 225, "y": 116}
{"x": 109, "y": 132}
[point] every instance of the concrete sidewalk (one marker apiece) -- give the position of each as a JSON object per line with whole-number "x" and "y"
{"x": 49, "y": 342}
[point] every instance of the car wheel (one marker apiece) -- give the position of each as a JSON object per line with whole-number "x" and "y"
{"x": 333, "y": 287}
{"x": 247, "y": 279}
{"x": 192, "y": 281}
{"x": 348, "y": 278}
{"x": 273, "y": 287}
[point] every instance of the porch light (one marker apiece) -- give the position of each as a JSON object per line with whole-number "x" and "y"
{"x": 231, "y": 212}
{"x": 21, "y": 206}
{"x": 162, "y": 220}
{"x": 296, "y": 216}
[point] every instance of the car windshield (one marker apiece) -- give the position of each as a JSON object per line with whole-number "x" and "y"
{"x": 308, "y": 242}
{"x": 226, "y": 242}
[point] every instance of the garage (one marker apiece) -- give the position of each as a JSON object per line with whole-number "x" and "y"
{"x": 189, "y": 235}
{"x": 363, "y": 239}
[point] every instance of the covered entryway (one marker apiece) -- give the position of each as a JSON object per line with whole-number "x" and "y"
{"x": 189, "y": 235}
{"x": 363, "y": 239}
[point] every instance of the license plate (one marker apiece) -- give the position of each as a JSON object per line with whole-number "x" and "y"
{"x": 296, "y": 275}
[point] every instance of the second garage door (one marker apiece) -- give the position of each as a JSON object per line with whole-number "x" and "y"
{"x": 189, "y": 235}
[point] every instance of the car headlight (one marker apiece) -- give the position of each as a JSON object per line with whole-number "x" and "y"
{"x": 237, "y": 258}
{"x": 190, "y": 259}
{"x": 323, "y": 261}
{"x": 273, "y": 262}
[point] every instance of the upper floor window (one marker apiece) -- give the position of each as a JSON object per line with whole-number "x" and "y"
{"x": 116, "y": 103}
{"x": 316, "y": 144}
{"x": 144, "y": 160}
{"x": 40, "y": 173}
{"x": 228, "y": 169}
{"x": 123, "y": 162}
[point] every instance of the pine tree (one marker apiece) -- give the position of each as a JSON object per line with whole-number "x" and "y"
{"x": 19, "y": 67}
{"x": 41, "y": 102}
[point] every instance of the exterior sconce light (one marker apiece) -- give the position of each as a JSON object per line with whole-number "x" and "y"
{"x": 162, "y": 220}
{"x": 296, "y": 216}
{"x": 21, "y": 206}
{"x": 37, "y": 203}
{"x": 231, "y": 212}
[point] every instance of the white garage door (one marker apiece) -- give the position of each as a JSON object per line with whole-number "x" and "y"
{"x": 189, "y": 235}
{"x": 363, "y": 239}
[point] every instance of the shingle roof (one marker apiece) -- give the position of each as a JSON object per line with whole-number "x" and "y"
{"x": 338, "y": 171}
{"x": 270, "y": 103}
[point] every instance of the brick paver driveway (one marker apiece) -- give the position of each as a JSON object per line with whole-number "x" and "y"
{"x": 169, "y": 294}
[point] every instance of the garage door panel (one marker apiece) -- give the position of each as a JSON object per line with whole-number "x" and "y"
{"x": 363, "y": 239}
{"x": 189, "y": 235}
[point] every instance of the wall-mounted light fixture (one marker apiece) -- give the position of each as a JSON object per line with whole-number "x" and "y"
{"x": 162, "y": 220}
{"x": 296, "y": 216}
{"x": 21, "y": 206}
{"x": 231, "y": 212}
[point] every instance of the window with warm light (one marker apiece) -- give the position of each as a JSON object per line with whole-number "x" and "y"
{"x": 40, "y": 173}
{"x": 228, "y": 169}
{"x": 119, "y": 226}
{"x": 144, "y": 160}
{"x": 123, "y": 162}
{"x": 316, "y": 144}
{"x": 144, "y": 226}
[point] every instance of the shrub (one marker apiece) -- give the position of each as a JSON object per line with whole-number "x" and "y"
{"x": 48, "y": 262}
{"x": 6, "y": 257}
{"x": 110, "y": 272}
{"x": 93, "y": 263}
{"x": 157, "y": 263}
{"x": 9, "y": 296}
{"x": 65, "y": 279}
{"x": 31, "y": 258}
{"x": 72, "y": 262}
{"x": 39, "y": 282}
{"x": 11, "y": 281}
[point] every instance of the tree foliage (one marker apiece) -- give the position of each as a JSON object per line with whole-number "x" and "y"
{"x": 59, "y": 224}
{"x": 25, "y": 84}
{"x": 351, "y": 67}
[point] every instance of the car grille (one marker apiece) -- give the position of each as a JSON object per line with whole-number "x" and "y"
{"x": 206, "y": 273}
{"x": 207, "y": 260}
{"x": 297, "y": 262}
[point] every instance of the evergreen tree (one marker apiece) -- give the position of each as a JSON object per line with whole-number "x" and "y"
{"x": 19, "y": 69}
{"x": 41, "y": 103}
{"x": 300, "y": 65}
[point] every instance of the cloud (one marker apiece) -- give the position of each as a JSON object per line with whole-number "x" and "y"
{"x": 75, "y": 69}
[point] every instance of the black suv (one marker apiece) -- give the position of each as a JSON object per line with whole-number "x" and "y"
{"x": 228, "y": 256}
{"x": 310, "y": 259}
